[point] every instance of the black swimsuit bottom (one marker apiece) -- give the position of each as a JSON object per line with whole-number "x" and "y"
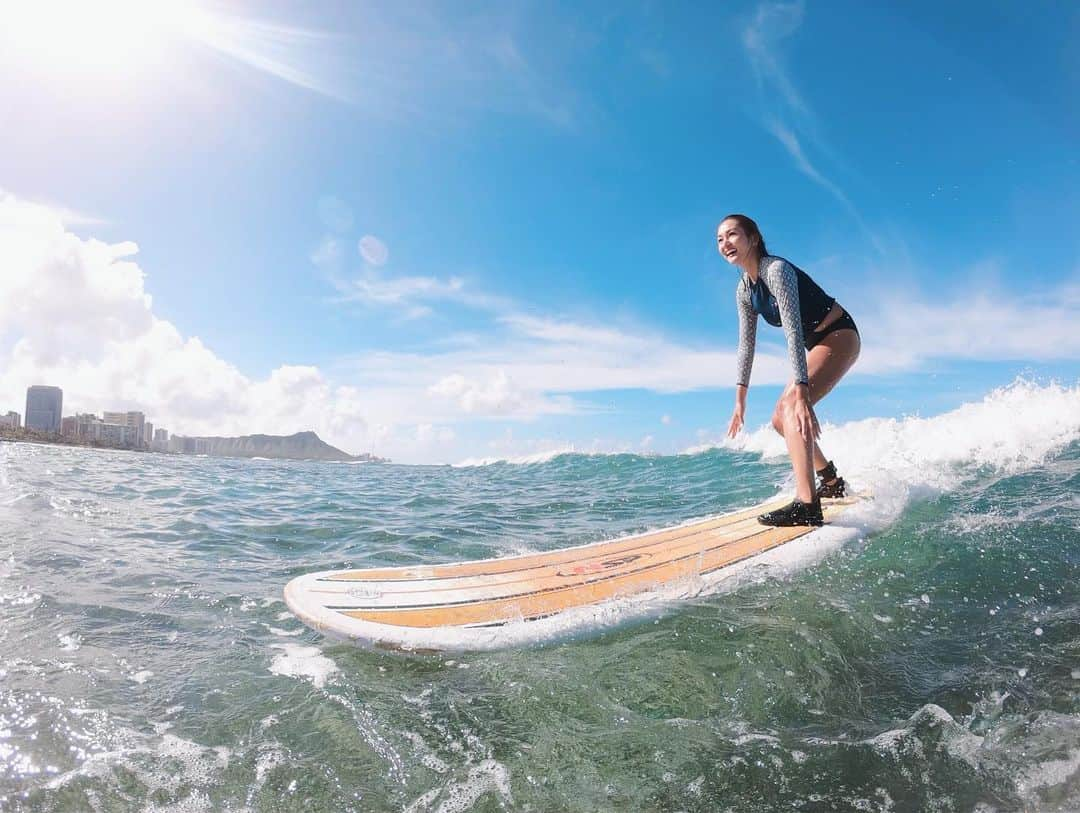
{"x": 812, "y": 338}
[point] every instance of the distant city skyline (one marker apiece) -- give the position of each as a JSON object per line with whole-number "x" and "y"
{"x": 130, "y": 430}
{"x": 488, "y": 231}
{"x": 44, "y": 414}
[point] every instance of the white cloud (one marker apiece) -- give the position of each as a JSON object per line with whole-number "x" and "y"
{"x": 71, "y": 217}
{"x": 573, "y": 357}
{"x": 536, "y": 367}
{"x": 429, "y": 434}
{"x": 544, "y": 366}
{"x": 794, "y": 147}
{"x": 65, "y": 295}
{"x": 991, "y": 325}
{"x": 773, "y": 23}
{"x": 495, "y": 394}
{"x": 407, "y": 293}
{"x": 74, "y": 313}
{"x": 411, "y": 295}
{"x": 787, "y": 116}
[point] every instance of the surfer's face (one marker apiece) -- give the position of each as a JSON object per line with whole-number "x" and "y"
{"x": 733, "y": 243}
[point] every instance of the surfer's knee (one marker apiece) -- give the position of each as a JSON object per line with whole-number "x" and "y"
{"x": 778, "y": 416}
{"x": 784, "y": 412}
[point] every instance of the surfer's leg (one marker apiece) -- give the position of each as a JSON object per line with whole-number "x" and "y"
{"x": 826, "y": 364}
{"x": 806, "y": 507}
{"x": 800, "y": 449}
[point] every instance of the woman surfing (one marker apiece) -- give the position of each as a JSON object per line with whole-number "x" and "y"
{"x": 823, "y": 343}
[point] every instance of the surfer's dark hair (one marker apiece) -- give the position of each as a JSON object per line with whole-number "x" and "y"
{"x": 751, "y": 229}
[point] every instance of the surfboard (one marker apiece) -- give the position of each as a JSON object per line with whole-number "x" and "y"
{"x": 471, "y": 605}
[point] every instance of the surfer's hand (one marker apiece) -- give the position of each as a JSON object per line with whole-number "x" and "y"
{"x": 736, "y": 422}
{"x": 803, "y": 412}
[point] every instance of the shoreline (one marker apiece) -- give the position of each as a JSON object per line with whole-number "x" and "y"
{"x": 43, "y": 439}
{"x": 37, "y": 439}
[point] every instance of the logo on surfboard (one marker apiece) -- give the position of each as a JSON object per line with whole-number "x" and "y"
{"x": 597, "y": 566}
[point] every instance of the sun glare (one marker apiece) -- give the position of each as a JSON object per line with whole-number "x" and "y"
{"x": 102, "y": 42}
{"x": 68, "y": 36}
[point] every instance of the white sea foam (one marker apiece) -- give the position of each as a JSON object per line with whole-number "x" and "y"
{"x": 488, "y": 776}
{"x": 933, "y": 727}
{"x": 164, "y": 765}
{"x": 302, "y": 661}
{"x": 20, "y": 599}
{"x": 1011, "y": 429}
{"x": 1052, "y": 773}
{"x": 271, "y": 756}
{"x": 519, "y": 460}
{"x": 69, "y": 642}
{"x": 284, "y": 633}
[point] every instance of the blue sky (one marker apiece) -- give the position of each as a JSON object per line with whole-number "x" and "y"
{"x": 479, "y": 230}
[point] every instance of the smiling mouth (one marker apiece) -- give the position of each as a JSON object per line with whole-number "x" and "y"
{"x": 731, "y": 253}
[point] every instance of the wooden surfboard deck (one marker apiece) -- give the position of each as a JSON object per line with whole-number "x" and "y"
{"x": 462, "y": 605}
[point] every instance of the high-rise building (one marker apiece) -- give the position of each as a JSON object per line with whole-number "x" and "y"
{"x": 118, "y": 434}
{"x": 69, "y": 426}
{"x": 148, "y": 433}
{"x": 133, "y": 420}
{"x": 88, "y": 426}
{"x": 161, "y": 435}
{"x": 11, "y": 420}
{"x": 43, "y": 408}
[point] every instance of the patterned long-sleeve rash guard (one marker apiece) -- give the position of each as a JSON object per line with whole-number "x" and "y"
{"x": 786, "y": 297}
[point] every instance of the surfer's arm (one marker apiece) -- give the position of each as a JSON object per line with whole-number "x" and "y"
{"x": 782, "y": 281}
{"x": 744, "y": 355}
{"x": 780, "y": 277}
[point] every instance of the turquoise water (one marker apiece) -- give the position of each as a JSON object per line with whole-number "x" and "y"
{"x": 929, "y": 660}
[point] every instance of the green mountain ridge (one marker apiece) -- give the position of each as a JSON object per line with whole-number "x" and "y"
{"x": 299, "y": 446}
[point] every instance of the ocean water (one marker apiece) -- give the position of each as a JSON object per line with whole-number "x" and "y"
{"x": 927, "y": 658}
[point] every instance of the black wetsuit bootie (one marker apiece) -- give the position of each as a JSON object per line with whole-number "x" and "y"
{"x": 794, "y": 513}
{"x": 831, "y": 486}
